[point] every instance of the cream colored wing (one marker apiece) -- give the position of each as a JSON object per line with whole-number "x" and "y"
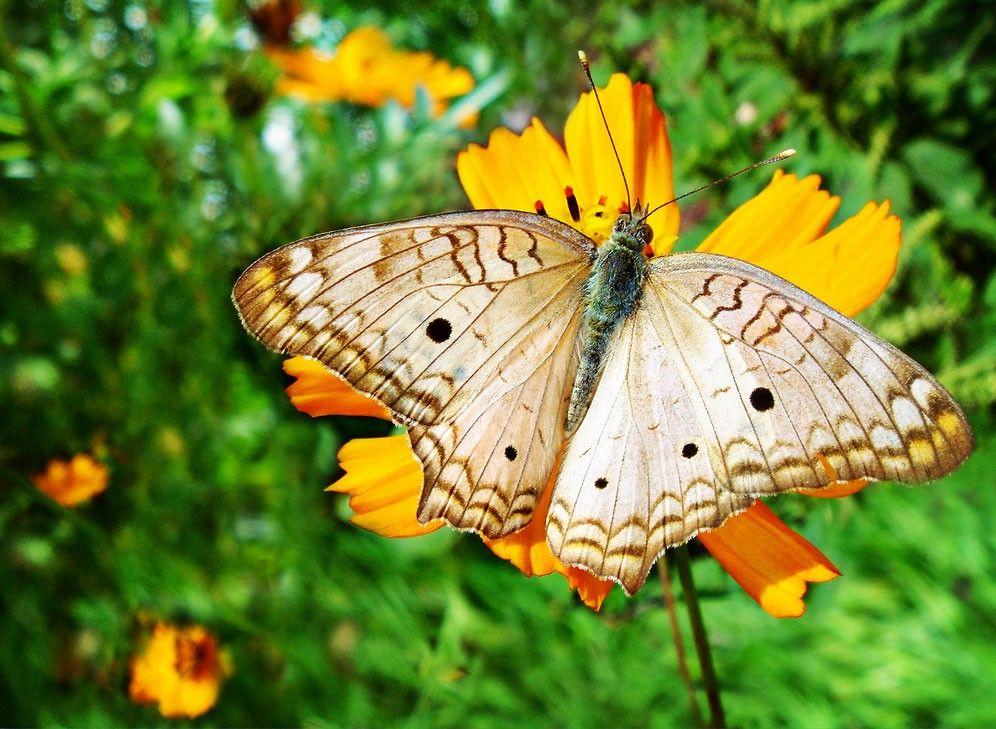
{"x": 485, "y": 469}
{"x": 726, "y": 384}
{"x": 422, "y": 314}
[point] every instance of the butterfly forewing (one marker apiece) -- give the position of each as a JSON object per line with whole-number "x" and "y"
{"x": 729, "y": 383}
{"x": 849, "y": 397}
{"x": 421, "y": 314}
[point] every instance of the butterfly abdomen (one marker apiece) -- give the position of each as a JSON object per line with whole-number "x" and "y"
{"x": 611, "y": 293}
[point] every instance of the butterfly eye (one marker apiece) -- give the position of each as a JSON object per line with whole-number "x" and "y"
{"x": 511, "y": 453}
{"x": 762, "y": 399}
{"x": 689, "y": 450}
{"x": 601, "y": 483}
{"x": 439, "y": 330}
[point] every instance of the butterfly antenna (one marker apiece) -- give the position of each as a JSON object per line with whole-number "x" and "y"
{"x": 785, "y": 154}
{"x": 587, "y": 72}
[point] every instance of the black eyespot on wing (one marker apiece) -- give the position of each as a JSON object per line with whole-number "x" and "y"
{"x": 439, "y": 330}
{"x": 762, "y": 399}
{"x": 511, "y": 453}
{"x": 601, "y": 483}
{"x": 689, "y": 450}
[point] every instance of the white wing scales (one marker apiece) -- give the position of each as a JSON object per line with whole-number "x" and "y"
{"x": 726, "y": 384}
{"x": 625, "y": 491}
{"x": 485, "y": 469}
{"x": 851, "y": 398}
{"x": 419, "y": 314}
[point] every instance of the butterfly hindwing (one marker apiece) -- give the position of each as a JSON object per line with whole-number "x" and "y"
{"x": 726, "y": 384}
{"x": 420, "y": 314}
{"x": 485, "y": 469}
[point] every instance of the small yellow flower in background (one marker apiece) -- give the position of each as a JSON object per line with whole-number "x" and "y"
{"x": 367, "y": 69}
{"x": 180, "y": 670}
{"x": 71, "y": 259}
{"x": 782, "y": 229}
{"x": 73, "y": 482}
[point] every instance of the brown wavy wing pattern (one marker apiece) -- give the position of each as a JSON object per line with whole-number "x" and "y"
{"x": 728, "y": 383}
{"x": 421, "y": 313}
{"x": 836, "y": 390}
{"x": 485, "y": 469}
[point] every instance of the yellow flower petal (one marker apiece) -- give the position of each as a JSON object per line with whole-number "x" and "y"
{"x": 318, "y": 391}
{"x": 788, "y": 212}
{"x": 640, "y": 133}
{"x": 179, "y": 669}
{"x": 516, "y": 171}
{"x": 367, "y": 69}
{"x": 781, "y": 230}
{"x": 850, "y": 266}
{"x": 768, "y": 560}
{"x": 383, "y": 480}
{"x": 837, "y": 489}
{"x": 495, "y": 176}
{"x": 308, "y": 74}
{"x": 72, "y": 483}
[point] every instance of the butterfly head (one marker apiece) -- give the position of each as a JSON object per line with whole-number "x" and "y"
{"x": 631, "y": 231}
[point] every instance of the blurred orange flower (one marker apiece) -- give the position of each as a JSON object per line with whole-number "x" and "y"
{"x": 367, "y": 69}
{"x": 179, "y": 669}
{"x": 73, "y": 482}
{"x": 783, "y": 229}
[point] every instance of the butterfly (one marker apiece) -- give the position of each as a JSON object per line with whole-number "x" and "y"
{"x": 669, "y": 393}
{"x": 660, "y": 397}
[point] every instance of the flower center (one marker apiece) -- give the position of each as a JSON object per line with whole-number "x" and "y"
{"x": 595, "y": 221}
{"x": 195, "y": 658}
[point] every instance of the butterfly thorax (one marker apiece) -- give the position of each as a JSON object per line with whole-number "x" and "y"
{"x": 611, "y": 293}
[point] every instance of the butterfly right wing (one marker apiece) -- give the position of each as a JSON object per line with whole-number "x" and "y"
{"x": 422, "y": 314}
{"x": 728, "y": 383}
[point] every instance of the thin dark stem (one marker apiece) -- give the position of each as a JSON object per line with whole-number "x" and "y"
{"x": 679, "y": 642}
{"x": 709, "y": 681}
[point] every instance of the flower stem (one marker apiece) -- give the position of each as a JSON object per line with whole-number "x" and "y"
{"x": 709, "y": 680}
{"x": 664, "y": 569}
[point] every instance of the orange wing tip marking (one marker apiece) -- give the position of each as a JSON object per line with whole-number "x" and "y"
{"x": 261, "y": 277}
{"x": 951, "y": 424}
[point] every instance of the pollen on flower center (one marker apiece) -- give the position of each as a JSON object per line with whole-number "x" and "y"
{"x": 597, "y": 220}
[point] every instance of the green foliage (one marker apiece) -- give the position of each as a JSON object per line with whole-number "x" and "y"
{"x": 145, "y": 160}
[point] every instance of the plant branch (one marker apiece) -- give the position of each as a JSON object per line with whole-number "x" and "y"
{"x": 667, "y": 588}
{"x": 709, "y": 680}
{"x": 38, "y": 125}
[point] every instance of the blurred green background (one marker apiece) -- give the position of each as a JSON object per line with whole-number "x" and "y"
{"x": 145, "y": 161}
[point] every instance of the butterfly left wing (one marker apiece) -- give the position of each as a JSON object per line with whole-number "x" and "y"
{"x": 729, "y": 383}
{"x": 423, "y": 313}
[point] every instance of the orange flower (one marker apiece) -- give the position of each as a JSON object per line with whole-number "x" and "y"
{"x": 367, "y": 69}
{"x": 783, "y": 229}
{"x": 74, "y": 482}
{"x": 180, "y": 669}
